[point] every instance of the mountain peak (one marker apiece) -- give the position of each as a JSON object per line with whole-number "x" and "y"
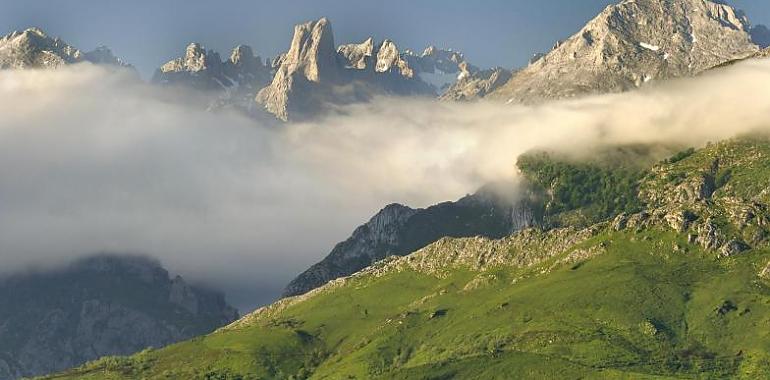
{"x": 241, "y": 54}
{"x": 312, "y": 50}
{"x": 195, "y": 58}
{"x": 103, "y": 55}
{"x": 34, "y": 31}
{"x": 631, "y": 43}
{"x": 194, "y": 48}
{"x": 33, "y": 48}
{"x": 311, "y": 59}
{"x": 388, "y": 57}
{"x": 357, "y": 54}
{"x": 229, "y": 81}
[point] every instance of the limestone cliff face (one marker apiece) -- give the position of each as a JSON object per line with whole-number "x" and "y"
{"x": 399, "y": 230}
{"x": 104, "y": 305}
{"x": 632, "y": 43}
{"x": 310, "y": 61}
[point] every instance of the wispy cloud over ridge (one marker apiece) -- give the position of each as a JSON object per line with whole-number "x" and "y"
{"x": 92, "y": 161}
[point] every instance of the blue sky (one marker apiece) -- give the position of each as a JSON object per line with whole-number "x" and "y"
{"x": 150, "y": 32}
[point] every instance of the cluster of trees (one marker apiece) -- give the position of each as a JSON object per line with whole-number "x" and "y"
{"x": 599, "y": 191}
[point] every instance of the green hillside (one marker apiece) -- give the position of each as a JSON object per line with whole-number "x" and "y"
{"x": 663, "y": 276}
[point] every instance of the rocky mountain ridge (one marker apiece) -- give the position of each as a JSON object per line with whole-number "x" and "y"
{"x": 543, "y": 199}
{"x": 628, "y": 45}
{"x": 476, "y": 85}
{"x": 398, "y": 230}
{"x": 702, "y": 195}
{"x": 632, "y": 43}
{"x": 232, "y": 82}
{"x": 314, "y": 76}
{"x": 32, "y": 48}
{"x": 98, "y": 306}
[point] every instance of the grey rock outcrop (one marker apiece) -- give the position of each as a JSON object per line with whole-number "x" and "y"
{"x": 34, "y": 49}
{"x": 398, "y": 230}
{"x": 631, "y": 43}
{"x": 103, "y": 305}
{"x": 732, "y": 248}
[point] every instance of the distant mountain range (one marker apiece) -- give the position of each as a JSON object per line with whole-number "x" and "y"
{"x": 626, "y": 46}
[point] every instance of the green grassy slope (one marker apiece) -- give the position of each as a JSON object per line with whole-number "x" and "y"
{"x": 674, "y": 288}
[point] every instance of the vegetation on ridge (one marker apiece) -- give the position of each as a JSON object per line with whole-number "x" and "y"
{"x": 584, "y": 191}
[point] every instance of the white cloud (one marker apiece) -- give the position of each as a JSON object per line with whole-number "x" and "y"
{"x": 92, "y": 161}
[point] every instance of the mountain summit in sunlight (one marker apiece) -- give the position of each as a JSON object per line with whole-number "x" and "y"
{"x": 33, "y": 49}
{"x": 631, "y": 44}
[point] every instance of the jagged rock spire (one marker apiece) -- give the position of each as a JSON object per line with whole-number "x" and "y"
{"x": 312, "y": 51}
{"x": 357, "y": 54}
{"x": 311, "y": 59}
{"x": 204, "y": 70}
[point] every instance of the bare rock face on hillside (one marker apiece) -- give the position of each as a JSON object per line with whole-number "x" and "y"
{"x": 398, "y": 230}
{"x": 631, "y": 43}
{"x": 34, "y": 49}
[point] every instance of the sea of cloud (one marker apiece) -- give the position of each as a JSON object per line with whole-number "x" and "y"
{"x": 92, "y": 160}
